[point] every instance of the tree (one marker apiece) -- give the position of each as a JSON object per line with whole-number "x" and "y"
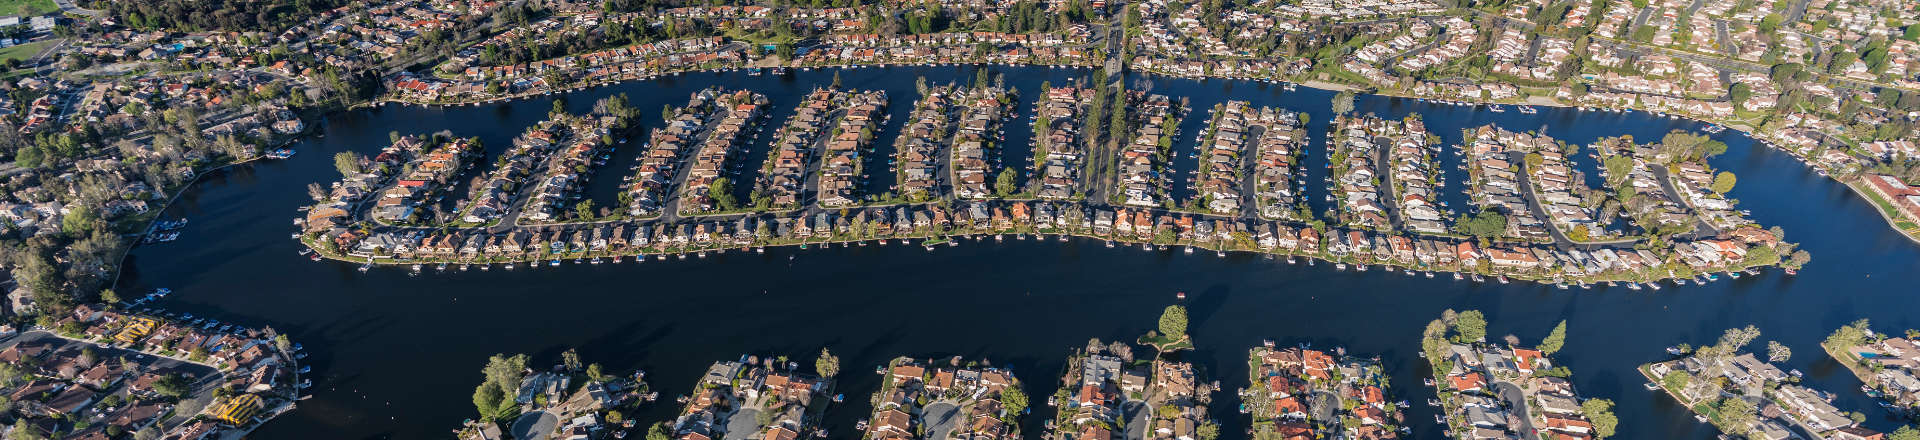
{"x": 1600, "y": 413}
{"x": 1343, "y": 103}
{"x": 109, "y": 296}
{"x": 659, "y": 432}
{"x": 172, "y": 385}
{"x": 1770, "y": 22}
{"x": 721, "y": 191}
{"x": 1485, "y": 224}
{"x": 1470, "y": 326}
{"x": 1173, "y": 322}
{"x": 1211, "y": 431}
{"x": 1676, "y": 380}
{"x": 1723, "y": 182}
{"x": 1014, "y": 400}
{"x": 23, "y": 430}
{"x": 571, "y": 359}
{"x": 348, "y": 162}
{"x": 1006, "y": 184}
{"x": 1739, "y": 93}
{"x": 487, "y": 399}
{"x": 1555, "y": 339}
{"x": 827, "y": 364}
{"x": 1777, "y": 352}
{"x": 1906, "y": 432}
{"x": 584, "y": 209}
{"x": 1737, "y": 412}
{"x": 1847, "y": 336}
{"x": 1733, "y": 339}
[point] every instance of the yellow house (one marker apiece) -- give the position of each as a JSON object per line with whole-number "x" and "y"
{"x": 237, "y": 410}
{"x": 137, "y": 329}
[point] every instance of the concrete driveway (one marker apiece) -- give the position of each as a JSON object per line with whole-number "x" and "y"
{"x": 535, "y": 425}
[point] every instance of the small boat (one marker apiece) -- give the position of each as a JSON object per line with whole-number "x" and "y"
{"x": 1650, "y": 386}
{"x": 1674, "y": 350}
{"x": 1456, "y": 276}
{"x": 1503, "y": 279}
{"x": 1180, "y": 295}
{"x": 1479, "y": 279}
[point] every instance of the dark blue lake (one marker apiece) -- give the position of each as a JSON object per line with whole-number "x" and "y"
{"x": 397, "y": 356}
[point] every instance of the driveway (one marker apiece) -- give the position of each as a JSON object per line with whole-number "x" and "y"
{"x": 941, "y": 419}
{"x": 535, "y": 425}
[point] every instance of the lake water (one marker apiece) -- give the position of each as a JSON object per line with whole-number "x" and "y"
{"x": 397, "y": 356}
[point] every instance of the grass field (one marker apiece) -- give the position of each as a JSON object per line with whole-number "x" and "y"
{"x": 24, "y": 51}
{"x": 32, "y": 7}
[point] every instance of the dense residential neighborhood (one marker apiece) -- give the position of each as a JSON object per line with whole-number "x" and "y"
{"x": 112, "y": 108}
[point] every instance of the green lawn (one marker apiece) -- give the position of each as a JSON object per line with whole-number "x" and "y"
{"x": 28, "y": 8}
{"x": 24, "y": 51}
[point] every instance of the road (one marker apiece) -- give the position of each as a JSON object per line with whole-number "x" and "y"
{"x": 742, "y": 425}
{"x": 535, "y": 425}
{"x": 1700, "y": 228}
{"x": 67, "y": 6}
{"x": 1137, "y": 420}
{"x": 1516, "y": 401}
{"x": 941, "y": 418}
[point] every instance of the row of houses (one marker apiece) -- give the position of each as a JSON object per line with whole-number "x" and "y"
{"x": 1219, "y": 184}
{"x": 1276, "y": 167}
{"x": 716, "y": 158}
{"x": 976, "y": 140}
{"x": 841, "y": 167}
{"x": 1059, "y": 142}
{"x": 784, "y": 180}
{"x": 1496, "y": 179}
{"x": 1143, "y": 161}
